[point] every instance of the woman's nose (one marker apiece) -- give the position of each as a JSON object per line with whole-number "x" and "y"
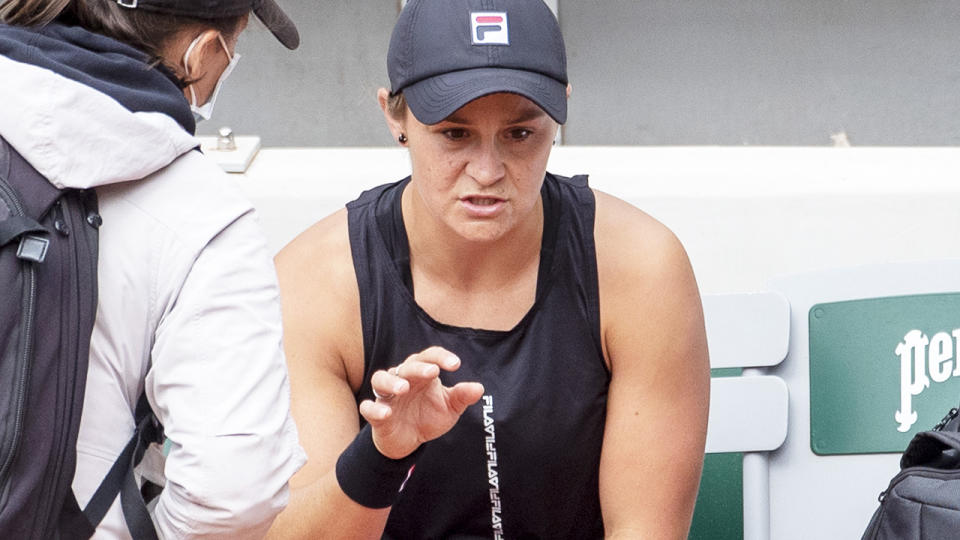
{"x": 486, "y": 165}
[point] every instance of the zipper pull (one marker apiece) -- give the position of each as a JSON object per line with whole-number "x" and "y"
{"x": 59, "y": 222}
{"x": 90, "y": 208}
{"x": 950, "y": 416}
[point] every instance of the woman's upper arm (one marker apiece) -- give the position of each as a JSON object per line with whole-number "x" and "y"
{"x": 655, "y": 344}
{"x": 324, "y": 346}
{"x": 322, "y": 341}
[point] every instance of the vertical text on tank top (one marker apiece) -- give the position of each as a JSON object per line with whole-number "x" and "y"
{"x": 493, "y": 476}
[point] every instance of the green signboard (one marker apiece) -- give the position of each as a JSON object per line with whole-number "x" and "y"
{"x": 719, "y": 511}
{"x": 881, "y": 370}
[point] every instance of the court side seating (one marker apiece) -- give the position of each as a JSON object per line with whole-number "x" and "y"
{"x": 748, "y": 412}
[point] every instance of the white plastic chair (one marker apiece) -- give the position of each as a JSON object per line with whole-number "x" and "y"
{"x": 748, "y": 413}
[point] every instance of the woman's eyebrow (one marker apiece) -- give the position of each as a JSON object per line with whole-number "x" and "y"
{"x": 525, "y": 115}
{"x": 532, "y": 113}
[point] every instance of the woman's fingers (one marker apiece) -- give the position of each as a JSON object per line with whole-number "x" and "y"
{"x": 465, "y": 394}
{"x": 417, "y": 368}
{"x": 415, "y": 374}
{"x": 412, "y": 406}
{"x": 387, "y": 385}
{"x": 375, "y": 412}
{"x": 414, "y": 369}
{"x": 437, "y": 356}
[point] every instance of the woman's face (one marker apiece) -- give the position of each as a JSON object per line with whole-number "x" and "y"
{"x": 479, "y": 171}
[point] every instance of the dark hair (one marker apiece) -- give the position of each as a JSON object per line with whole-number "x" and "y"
{"x": 142, "y": 30}
{"x": 397, "y": 105}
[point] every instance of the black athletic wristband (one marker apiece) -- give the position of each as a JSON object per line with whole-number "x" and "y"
{"x": 367, "y": 476}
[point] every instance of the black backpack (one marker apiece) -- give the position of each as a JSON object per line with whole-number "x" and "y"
{"x": 922, "y": 501}
{"x": 48, "y": 286}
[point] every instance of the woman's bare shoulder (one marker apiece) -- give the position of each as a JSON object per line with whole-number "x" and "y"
{"x": 648, "y": 291}
{"x": 315, "y": 244}
{"x": 319, "y": 258}
{"x": 319, "y": 293}
{"x": 630, "y": 240}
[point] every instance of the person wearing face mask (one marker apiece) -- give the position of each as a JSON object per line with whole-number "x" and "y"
{"x": 105, "y": 95}
{"x": 203, "y": 112}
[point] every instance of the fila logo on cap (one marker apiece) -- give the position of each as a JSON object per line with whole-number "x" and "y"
{"x": 489, "y": 28}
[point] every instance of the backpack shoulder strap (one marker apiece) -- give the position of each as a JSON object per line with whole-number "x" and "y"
{"x": 48, "y": 275}
{"x": 121, "y": 478}
{"x": 14, "y": 227}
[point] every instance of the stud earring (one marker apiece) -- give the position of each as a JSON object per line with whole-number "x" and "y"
{"x": 402, "y": 139}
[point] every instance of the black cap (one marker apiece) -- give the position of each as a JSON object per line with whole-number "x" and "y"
{"x": 445, "y": 53}
{"x": 266, "y": 10}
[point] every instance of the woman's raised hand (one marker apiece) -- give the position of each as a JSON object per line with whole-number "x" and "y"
{"x": 412, "y": 405}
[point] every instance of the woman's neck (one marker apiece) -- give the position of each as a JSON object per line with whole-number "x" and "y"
{"x": 440, "y": 255}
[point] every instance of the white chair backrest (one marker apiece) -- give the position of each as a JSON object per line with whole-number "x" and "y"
{"x": 747, "y": 413}
{"x": 747, "y": 329}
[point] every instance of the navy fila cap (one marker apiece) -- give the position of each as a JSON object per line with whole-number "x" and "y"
{"x": 445, "y": 53}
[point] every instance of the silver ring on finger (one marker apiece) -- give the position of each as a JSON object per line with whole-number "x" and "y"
{"x": 381, "y": 397}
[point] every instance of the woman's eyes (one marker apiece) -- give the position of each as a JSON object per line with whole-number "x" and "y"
{"x": 455, "y": 134}
{"x": 514, "y": 134}
{"x": 519, "y": 134}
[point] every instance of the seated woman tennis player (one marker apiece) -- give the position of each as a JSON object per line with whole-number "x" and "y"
{"x": 485, "y": 349}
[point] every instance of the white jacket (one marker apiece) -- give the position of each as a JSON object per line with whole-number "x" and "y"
{"x": 188, "y": 310}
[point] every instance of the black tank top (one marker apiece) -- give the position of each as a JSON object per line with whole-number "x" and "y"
{"x": 524, "y": 461}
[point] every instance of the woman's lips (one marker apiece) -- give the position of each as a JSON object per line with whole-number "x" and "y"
{"x": 481, "y": 206}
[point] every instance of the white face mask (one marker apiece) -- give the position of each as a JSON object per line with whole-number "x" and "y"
{"x": 203, "y": 112}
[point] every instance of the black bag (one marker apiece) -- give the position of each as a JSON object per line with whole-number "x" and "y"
{"x": 48, "y": 302}
{"x": 922, "y": 501}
